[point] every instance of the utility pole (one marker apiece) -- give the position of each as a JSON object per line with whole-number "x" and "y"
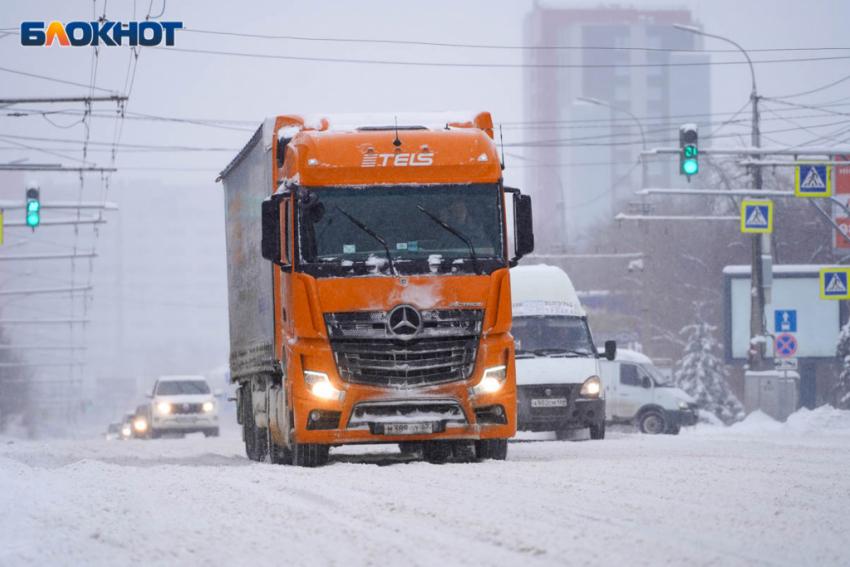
{"x": 761, "y": 259}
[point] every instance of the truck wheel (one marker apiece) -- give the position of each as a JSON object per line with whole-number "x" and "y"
{"x": 673, "y": 430}
{"x": 309, "y": 454}
{"x": 597, "y": 431}
{"x": 436, "y": 452}
{"x": 652, "y": 422}
{"x": 256, "y": 439}
{"x": 563, "y": 434}
{"x": 278, "y": 454}
{"x": 410, "y": 448}
{"x": 496, "y": 449}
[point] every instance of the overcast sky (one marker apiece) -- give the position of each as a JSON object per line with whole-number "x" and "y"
{"x": 190, "y": 85}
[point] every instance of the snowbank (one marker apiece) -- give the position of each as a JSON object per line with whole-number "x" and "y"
{"x": 822, "y": 421}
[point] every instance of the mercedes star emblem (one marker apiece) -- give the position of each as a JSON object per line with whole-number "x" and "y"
{"x": 404, "y": 321}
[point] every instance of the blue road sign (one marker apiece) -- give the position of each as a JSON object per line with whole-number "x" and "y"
{"x": 786, "y": 345}
{"x": 813, "y": 181}
{"x": 833, "y": 283}
{"x": 786, "y": 321}
{"x": 756, "y": 216}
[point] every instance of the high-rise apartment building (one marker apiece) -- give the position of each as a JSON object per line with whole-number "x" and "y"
{"x": 635, "y": 67}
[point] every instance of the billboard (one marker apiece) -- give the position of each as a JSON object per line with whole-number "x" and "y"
{"x": 842, "y": 193}
{"x": 807, "y": 325}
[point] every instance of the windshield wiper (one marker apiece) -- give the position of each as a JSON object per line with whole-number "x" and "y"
{"x": 560, "y": 352}
{"x": 374, "y": 235}
{"x": 457, "y": 233}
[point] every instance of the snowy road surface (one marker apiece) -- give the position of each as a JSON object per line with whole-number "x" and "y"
{"x": 755, "y": 494}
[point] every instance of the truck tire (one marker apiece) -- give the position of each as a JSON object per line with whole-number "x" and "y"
{"x": 278, "y": 454}
{"x": 597, "y": 431}
{"x": 256, "y": 439}
{"x": 308, "y": 454}
{"x": 652, "y": 422}
{"x": 563, "y": 434}
{"x": 496, "y": 449}
{"x": 410, "y": 448}
{"x": 437, "y": 452}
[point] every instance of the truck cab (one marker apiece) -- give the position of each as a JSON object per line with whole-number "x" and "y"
{"x": 636, "y": 392}
{"x": 368, "y": 286}
{"x": 558, "y": 383}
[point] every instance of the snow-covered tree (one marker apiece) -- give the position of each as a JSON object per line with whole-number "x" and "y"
{"x": 702, "y": 374}
{"x": 842, "y": 352}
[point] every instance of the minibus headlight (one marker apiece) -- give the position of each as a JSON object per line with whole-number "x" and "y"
{"x": 492, "y": 381}
{"x": 320, "y": 386}
{"x": 591, "y": 387}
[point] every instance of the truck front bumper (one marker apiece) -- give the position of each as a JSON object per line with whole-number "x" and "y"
{"x": 553, "y": 407}
{"x": 681, "y": 418}
{"x": 437, "y": 413}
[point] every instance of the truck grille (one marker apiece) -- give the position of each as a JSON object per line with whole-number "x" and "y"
{"x": 444, "y": 350}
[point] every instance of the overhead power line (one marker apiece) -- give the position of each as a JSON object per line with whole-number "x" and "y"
{"x": 823, "y": 88}
{"x": 491, "y": 46}
{"x": 55, "y": 80}
{"x": 489, "y": 65}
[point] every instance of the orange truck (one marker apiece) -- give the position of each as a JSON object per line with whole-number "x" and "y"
{"x": 368, "y": 283}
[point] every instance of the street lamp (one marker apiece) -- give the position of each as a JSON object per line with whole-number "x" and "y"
{"x": 760, "y": 242}
{"x": 598, "y": 102}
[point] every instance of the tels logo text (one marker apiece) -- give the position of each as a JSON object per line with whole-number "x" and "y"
{"x": 79, "y": 34}
{"x": 397, "y": 160}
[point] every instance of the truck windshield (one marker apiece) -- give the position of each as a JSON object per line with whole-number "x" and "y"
{"x": 552, "y": 336}
{"x": 331, "y": 244}
{"x": 180, "y": 387}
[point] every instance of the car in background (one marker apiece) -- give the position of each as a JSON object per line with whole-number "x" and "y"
{"x": 140, "y": 422}
{"x": 557, "y": 365}
{"x": 113, "y": 432}
{"x": 183, "y": 404}
{"x": 636, "y": 392}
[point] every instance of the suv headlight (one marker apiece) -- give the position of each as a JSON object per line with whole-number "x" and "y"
{"x": 320, "y": 386}
{"x": 683, "y": 404}
{"x": 163, "y": 407}
{"x": 492, "y": 381}
{"x": 208, "y": 406}
{"x": 591, "y": 387}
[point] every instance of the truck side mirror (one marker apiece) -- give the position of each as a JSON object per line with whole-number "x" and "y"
{"x": 610, "y": 350}
{"x": 647, "y": 383}
{"x": 523, "y": 226}
{"x": 270, "y": 215}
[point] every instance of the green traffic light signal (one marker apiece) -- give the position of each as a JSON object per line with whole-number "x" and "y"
{"x": 690, "y": 167}
{"x": 32, "y": 219}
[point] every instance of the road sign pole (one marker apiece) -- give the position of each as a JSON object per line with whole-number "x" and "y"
{"x": 757, "y": 326}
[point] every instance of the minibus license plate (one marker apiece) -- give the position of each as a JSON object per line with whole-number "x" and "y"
{"x": 549, "y": 403}
{"x": 408, "y": 428}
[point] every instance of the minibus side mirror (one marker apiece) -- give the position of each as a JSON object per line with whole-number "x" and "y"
{"x": 610, "y": 350}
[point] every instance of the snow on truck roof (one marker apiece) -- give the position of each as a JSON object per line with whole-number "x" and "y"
{"x": 626, "y": 355}
{"x": 360, "y": 149}
{"x": 543, "y": 290}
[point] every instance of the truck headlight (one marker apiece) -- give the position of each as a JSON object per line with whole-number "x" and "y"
{"x": 683, "y": 404}
{"x": 163, "y": 407}
{"x": 591, "y": 387}
{"x": 320, "y": 386}
{"x": 492, "y": 381}
{"x": 208, "y": 406}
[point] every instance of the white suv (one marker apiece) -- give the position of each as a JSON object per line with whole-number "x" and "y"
{"x": 183, "y": 404}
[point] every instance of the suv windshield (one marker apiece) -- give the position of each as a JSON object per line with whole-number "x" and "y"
{"x": 331, "y": 243}
{"x": 553, "y": 336}
{"x": 178, "y": 387}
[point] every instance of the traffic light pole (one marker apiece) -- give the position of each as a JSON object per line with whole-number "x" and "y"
{"x": 760, "y": 256}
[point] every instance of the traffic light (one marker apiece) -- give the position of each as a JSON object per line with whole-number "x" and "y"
{"x": 688, "y": 154}
{"x": 33, "y": 207}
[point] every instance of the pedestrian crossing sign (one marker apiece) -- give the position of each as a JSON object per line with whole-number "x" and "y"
{"x": 833, "y": 283}
{"x": 813, "y": 180}
{"x": 756, "y": 216}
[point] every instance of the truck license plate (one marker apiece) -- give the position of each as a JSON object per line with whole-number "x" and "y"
{"x": 408, "y": 428}
{"x": 549, "y": 403}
